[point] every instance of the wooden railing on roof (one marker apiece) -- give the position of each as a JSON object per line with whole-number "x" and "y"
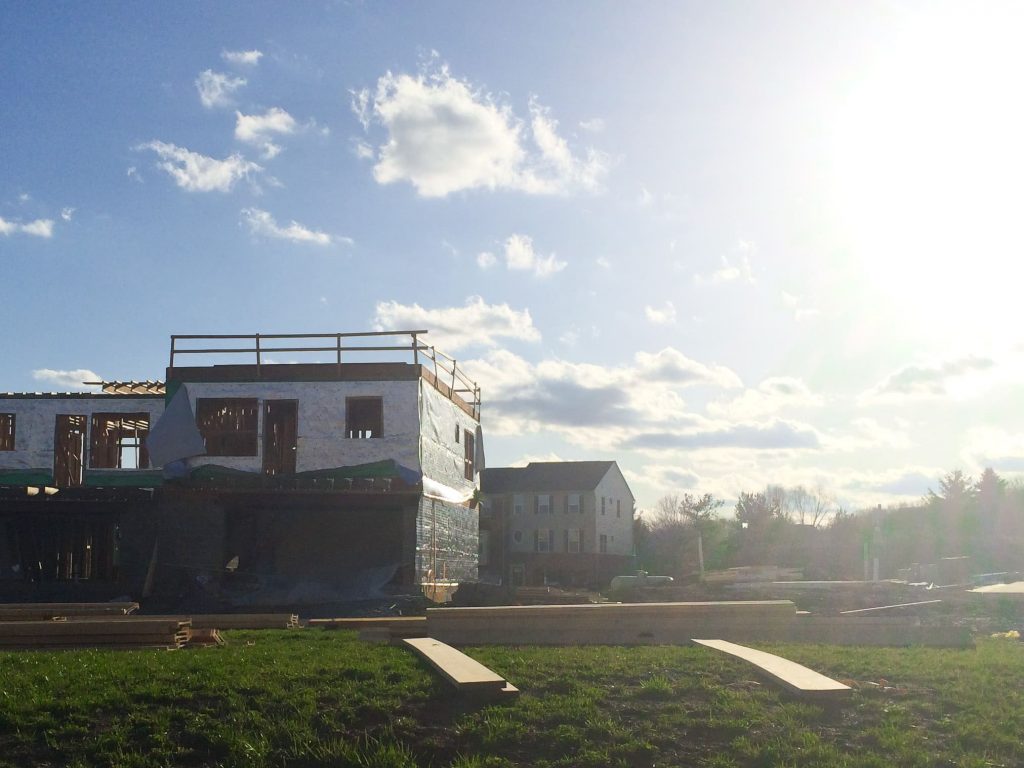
{"x": 447, "y": 376}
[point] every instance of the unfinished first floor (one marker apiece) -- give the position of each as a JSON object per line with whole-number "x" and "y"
{"x": 196, "y": 548}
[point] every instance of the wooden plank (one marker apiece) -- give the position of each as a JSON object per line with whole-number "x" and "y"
{"x": 372, "y": 621}
{"x": 466, "y": 674}
{"x": 889, "y": 607}
{"x": 792, "y": 676}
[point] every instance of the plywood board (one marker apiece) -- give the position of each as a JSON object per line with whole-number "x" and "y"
{"x": 466, "y": 674}
{"x": 792, "y": 676}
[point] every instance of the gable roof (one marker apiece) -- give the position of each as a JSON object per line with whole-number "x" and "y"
{"x": 545, "y": 476}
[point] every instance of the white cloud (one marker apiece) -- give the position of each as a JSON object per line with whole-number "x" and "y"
{"x": 68, "y": 380}
{"x": 216, "y": 88}
{"x": 198, "y": 173}
{"x": 38, "y": 227}
{"x": 67, "y": 213}
{"x": 133, "y": 174}
{"x": 258, "y": 130}
{"x": 475, "y": 324}
{"x": 666, "y": 315}
{"x": 771, "y": 397}
{"x": 672, "y": 366}
{"x": 262, "y": 223}
{"x": 444, "y": 135}
{"x": 486, "y": 259}
{"x": 733, "y": 268}
{"x": 520, "y": 255}
{"x": 961, "y": 377}
{"x": 242, "y": 58}
{"x": 594, "y": 125}
{"x": 603, "y": 262}
{"x": 800, "y": 310}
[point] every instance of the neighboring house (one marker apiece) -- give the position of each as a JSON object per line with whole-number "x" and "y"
{"x": 556, "y": 522}
{"x": 280, "y": 483}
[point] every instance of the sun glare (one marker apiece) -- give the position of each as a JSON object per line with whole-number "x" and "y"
{"x": 929, "y": 160}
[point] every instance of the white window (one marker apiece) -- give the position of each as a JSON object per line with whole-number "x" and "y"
{"x": 518, "y": 504}
{"x": 485, "y": 547}
{"x": 574, "y": 503}
{"x": 543, "y": 504}
{"x": 604, "y": 544}
{"x": 575, "y": 540}
{"x": 545, "y": 539}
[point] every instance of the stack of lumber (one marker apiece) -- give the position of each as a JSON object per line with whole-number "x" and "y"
{"x": 468, "y": 676}
{"x": 245, "y": 620}
{"x": 551, "y": 596}
{"x": 612, "y": 623}
{"x": 119, "y": 633}
{"x": 45, "y": 611}
{"x": 378, "y": 629}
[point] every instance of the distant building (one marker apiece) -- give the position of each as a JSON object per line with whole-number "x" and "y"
{"x": 263, "y": 482}
{"x": 560, "y": 522}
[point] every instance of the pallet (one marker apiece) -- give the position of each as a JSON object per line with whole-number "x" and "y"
{"x": 466, "y": 675}
{"x": 794, "y": 677}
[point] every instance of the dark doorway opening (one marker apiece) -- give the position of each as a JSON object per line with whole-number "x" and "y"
{"x": 280, "y": 436}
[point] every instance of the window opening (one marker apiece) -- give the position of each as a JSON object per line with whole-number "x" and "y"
{"x": 574, "y": 503}
{"x": 7, "y": 431}
{"x": 68, "y": 451}
{"x": 518, "y": 504}
{"x": 229, "y": 425}
{"x": 469, "y": 439}
{"x": 545, "y": 539}
{"x": 364, "y": 417}
{"x": 574, "y": 540}
{"x": 543, "y": 504}
{"x": 604, "y": 544}
{"x": 117, "y": 441}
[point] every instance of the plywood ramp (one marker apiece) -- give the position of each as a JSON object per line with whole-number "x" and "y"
{"x": 790, "y": 675}
{"x": 466, "y": 674}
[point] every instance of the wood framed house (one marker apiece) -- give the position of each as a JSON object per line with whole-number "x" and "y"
{"x": 270, "y": 483}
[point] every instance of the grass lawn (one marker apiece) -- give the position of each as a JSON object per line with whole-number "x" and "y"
{"x": 321, "y": 698}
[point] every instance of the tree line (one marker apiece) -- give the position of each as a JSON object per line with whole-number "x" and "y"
{"x": 799, "y": 527}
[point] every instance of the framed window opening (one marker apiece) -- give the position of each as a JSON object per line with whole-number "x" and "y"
{"x": 518, "y": 504}
{"x": 229, "y": 425}
{"x": 364, "y": 417}
{"x": 7, "y": 422}
{"x": 117, "y": 441}
{"x": 543, "y": 504}
{"x": 574, "y": 540}
{"x": 469, "y": 439}
{"x": 545, "y": 540}
{"x": 573, "y": 503}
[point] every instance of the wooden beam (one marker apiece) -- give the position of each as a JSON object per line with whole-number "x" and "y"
{"x": 465, "y": 674}
{"x": 790, "y": 675}
{"x": 889, "y": 607}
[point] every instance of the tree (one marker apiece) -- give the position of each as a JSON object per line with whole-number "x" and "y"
{"x": 757, "y": 509}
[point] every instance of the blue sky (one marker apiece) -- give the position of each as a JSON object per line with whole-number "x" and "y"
{"x": 726, "y": 244}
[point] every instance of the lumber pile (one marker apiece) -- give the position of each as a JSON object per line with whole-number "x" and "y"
{"x": 111, "y": 633}
{"x": 47, "y": 611}
{"x": 551, "y": 596}
{"x": 245, "y": 620}
{"x": 468, "y": 676}
{"x": 794, "y": 677}
{"x": 395, "y": 622}
{"x": 612, "y": 623}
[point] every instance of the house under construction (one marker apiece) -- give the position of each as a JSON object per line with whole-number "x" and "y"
{"x": 252, "y": 481}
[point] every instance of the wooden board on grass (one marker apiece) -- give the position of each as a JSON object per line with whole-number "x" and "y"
{"x": 792, "y": 676}
{"x": 466, "y": 674}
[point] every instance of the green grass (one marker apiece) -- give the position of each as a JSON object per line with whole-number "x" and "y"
{"x": 318, "y": 698}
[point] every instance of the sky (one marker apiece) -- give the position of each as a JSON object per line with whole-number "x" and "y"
{"x": 725, "y": 244}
